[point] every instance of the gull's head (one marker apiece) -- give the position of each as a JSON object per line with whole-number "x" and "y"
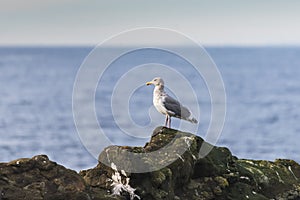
{"x": 157, "y": 81}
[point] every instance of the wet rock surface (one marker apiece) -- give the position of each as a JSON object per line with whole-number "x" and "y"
{"x": 185, "y": 174}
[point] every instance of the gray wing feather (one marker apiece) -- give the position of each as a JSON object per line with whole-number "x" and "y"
{"x": 175, "y": 107}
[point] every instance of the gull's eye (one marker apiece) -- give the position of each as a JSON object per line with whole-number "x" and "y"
{"x": 155, "y": 80}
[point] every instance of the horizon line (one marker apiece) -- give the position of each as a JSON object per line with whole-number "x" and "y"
{"x": 79, "y": 45}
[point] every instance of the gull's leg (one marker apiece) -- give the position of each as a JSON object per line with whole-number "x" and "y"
{"x": 169, "y": 123}
{"x": 166, "y": 121}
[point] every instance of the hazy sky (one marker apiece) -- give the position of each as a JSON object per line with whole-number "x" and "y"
{"x": 210, "y": 22}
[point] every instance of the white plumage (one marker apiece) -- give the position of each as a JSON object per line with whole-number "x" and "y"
{"x": 167, "y": 105}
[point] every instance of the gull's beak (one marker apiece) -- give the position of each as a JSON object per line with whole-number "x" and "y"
{"x": 149, "y": 83}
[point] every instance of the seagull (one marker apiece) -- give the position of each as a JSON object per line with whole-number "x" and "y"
{"x": 167, "y": 105}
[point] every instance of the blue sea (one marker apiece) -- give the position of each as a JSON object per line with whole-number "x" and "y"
{"x": 262, "y": 86}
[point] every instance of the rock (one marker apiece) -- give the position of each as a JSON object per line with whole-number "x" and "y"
{"x": 39, "y": 178}
{"x": 219, "y": 175}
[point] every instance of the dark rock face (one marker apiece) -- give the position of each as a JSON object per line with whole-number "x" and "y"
{"x": 39, "y": 178}
{"x": 219, "y": 175}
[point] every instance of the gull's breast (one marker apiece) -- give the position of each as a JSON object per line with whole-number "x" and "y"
{"x": 159, "y": 105}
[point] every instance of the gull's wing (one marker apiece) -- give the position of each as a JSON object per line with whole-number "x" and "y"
{"x": 175, "y": 109}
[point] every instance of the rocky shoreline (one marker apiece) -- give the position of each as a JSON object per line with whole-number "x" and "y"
{"x": 219, "y": 175}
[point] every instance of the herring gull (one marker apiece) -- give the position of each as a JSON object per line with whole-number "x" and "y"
{"x": 168, "y": 105}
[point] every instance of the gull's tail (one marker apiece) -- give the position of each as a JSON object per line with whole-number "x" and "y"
{"x": 192, "y": 120}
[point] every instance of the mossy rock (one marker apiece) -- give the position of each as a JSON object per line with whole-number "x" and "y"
{"x": 218, "y": 175}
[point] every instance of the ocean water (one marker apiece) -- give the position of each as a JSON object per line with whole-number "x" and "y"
{"x": 36, "y": 83}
